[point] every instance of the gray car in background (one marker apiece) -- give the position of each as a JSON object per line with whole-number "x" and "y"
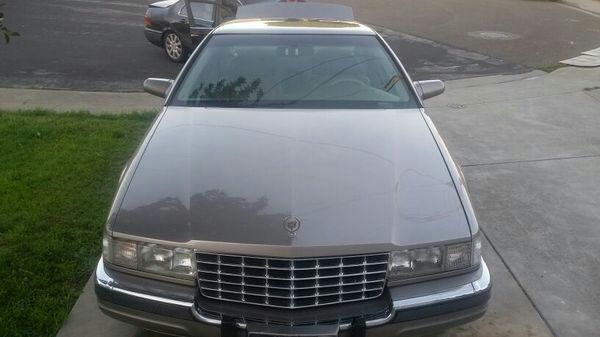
{"x": 293, "y": 186}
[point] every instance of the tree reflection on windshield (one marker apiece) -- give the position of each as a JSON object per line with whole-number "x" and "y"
{"x": 293, "y": 71}
{"x": 237, "y": 90}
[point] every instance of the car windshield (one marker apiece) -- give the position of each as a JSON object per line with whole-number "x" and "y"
{"x": 294, "y": 71}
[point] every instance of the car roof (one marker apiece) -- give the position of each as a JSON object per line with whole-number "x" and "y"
{"x": 293, "y": 26}
{"x": 295, "y": 10}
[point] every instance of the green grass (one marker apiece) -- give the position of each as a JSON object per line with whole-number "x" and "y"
{"x": 58, "y": 173}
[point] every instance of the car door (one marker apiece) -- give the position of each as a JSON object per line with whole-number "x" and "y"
{"x": 204, "y": 15}
{"x": 192, "y": 28}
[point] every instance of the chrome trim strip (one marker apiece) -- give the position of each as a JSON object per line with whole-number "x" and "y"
{"x": 373, "y": 322}
{"x": 153, "y": 30}
{"x": 214, "y": 321}
{"x": 295, "y": 297}
{"x": 473, "y": 288}
{"x": 104, "y": 280}
{"x": 295, "y": 268}
{"x": 295, "y": 259}
{"x": 445, "y": 296}
{"x": 296, "y": 278}
{"x": 203, "y": 28}
{"x": 261, "y": 250}
{"x": 295, "y": 288}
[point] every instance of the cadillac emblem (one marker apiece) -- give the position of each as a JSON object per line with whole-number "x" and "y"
{"x": 292, "y": 225}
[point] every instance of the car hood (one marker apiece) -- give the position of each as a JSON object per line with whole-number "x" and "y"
{"x": 357, "y": 180}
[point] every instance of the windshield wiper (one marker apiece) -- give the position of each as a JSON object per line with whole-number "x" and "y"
{"x": 280, "y": 104}
{"x": 391, "y": 82}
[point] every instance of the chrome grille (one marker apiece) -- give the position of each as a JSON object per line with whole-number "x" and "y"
{"x": 291, "y": 283}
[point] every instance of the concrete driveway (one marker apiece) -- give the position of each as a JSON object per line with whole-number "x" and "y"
{"x": 530, "y": 150}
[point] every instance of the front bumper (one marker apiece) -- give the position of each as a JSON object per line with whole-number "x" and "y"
{"x": 416, "y": 308}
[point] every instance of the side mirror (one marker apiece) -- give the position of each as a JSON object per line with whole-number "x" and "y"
{"x": 158, "y": 86}
{"x": 430, "y": 88}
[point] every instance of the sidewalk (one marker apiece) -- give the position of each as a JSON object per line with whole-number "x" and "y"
{"x": 65, "y": 100}
{"x": 529, "y": 147}
{"x": 592, "y": 6}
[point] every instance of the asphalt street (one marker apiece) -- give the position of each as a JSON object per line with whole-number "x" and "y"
{"x": 99, "y": 45}
{"x": 535, "y": 33}
{"x": 79, "y": 44}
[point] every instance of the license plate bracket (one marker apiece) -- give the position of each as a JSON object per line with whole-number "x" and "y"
{"x": 262, "y": 330}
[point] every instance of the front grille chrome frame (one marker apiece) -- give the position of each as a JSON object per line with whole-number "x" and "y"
{"x": 291, "y": 283}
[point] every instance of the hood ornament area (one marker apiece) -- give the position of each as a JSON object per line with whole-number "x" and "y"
{"x": 292, "y": 225}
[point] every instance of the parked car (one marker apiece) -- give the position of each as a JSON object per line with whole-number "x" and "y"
{"x": 292, "y": 186}
{"x": 167, "y": 23}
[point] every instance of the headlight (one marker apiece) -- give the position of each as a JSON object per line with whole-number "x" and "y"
{"x": 410, "y": 263}
{"x": 149, "y": 257}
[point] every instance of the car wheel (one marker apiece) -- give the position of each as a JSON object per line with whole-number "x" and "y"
{"x": 174, "y": 47}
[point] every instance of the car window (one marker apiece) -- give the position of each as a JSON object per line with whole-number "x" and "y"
{"x": 200, "y": 10}
{"x": 227, "y": 11}
{"x": 252, "y": 2}
{"x": 295, "y": 71}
